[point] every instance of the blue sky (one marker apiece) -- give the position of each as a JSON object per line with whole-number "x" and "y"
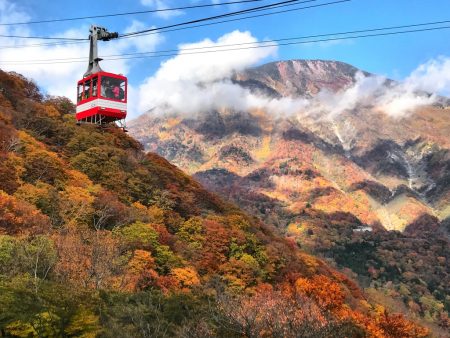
{"x": 392, "y": 56}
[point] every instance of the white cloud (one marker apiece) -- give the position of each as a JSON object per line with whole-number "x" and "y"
{"x": 60, "y": 77}
{"x": 141, "y": 43}
{"x": 10, "y": 13}
{"x": 399, "y": 103}
{"x": 200, "y": 82}
{"x": 213, "y": 66}
{"x": 420, "y": 88}
{"x": 161, "y": 5}
{"x": 397, "y": 100}
{"x": 197, "y": 83}
{"x": 432, "y": 76}
{"x": 364, "y": 89}
{"x": 56, "y": 78}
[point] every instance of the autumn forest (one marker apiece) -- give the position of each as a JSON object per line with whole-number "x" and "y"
{"x": 100, "y": 239}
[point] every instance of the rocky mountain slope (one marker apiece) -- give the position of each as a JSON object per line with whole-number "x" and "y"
{"x": 98, "y": 238}
{"x": 358, "y": 170}
{"x": 298, "y": 77}
{"x": 406, "y": 158}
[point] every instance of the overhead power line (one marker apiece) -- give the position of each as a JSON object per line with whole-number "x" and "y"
{"x": 369, "y": 30}
{"x": 129, "y": 13}
{"x": 48, "y": 44}
{"x": 270, "y": 44}
{"x": 42, "y": 37}
{"x": 263, "y": 44}
{"x": 253, "y": 9}
{"x": 165, "y": 29}
{"x": 242, "y": 18}
{"x": 248, "y": 10}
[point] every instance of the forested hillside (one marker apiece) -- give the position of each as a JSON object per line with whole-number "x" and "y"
{"x": 99, "y": 239}
{"x": 365, "y": 188}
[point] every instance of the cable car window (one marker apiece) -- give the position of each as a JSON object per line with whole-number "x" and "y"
{"x": 94, "y": 86}
{"x": 80, "y": 92}
{"x": 122, "y": 90}
{"x": 113, "y": 88}
{"x": 87, "y": 89}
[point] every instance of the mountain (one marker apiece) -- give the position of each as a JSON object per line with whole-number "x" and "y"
{"x": 332, "y": 181}
{"x": 407, "y": 159}
{"x": 99, "y": 239}
{"x": 304, "y": 78}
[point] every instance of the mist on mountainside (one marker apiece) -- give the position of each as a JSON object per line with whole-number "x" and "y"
{"x": 351, "y": 166}
{"x": 190, "y": 86}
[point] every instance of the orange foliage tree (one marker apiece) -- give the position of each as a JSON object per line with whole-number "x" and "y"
{"x": 17, "y": 216}
{"x": 327, "y": 293}
{"x": 87, "y": 258}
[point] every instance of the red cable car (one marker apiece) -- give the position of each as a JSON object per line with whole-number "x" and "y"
{"x": 101, "y": 96}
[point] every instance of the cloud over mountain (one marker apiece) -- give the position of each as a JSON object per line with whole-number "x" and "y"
{"x": 204, "y": 82}
{"x": 200, "y": 82}
{"x": 195, "y": 83}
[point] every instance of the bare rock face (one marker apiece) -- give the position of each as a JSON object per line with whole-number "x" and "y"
{"x": 383, "y": 171}
{"x": 298, "y": 77}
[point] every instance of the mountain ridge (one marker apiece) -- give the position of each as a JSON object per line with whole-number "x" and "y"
{"x": 328, "y": 183}
{"x": 347, "y": 135}
{"x": 98, "y": 237}
{"x": 316, "y": 75}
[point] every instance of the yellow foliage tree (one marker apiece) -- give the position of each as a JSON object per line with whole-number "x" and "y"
{"x": 187, "y": 277}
